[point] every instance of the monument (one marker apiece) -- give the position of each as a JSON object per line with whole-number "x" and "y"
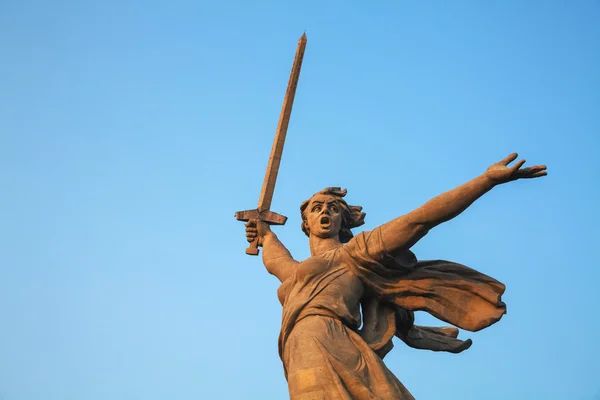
{"x": 329, "y": 348}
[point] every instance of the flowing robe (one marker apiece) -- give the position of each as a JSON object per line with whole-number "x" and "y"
{"x": 326, "y": 353}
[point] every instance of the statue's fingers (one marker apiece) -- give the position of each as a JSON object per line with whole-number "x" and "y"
{"x": 518, "y": 165}
{"x": 537, "y": 168}
{"x": 509, "y": 159}
{"x": 538, "y": 174}
{"x": 532, "y": 172}
{"x": 251, "y": 223}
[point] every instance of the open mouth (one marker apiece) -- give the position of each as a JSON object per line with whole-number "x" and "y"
{"x": 325, "y": 221}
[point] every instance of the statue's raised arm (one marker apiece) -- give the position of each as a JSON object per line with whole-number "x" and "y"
{"x": 276, "y": 257}
{"x": 403, "y": 232}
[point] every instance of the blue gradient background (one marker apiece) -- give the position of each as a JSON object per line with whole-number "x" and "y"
{"x": 130, "y": 132}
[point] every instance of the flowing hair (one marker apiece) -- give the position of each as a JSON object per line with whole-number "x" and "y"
{"x": 352, "y": 216}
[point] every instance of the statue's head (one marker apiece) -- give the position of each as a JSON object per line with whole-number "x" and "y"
{"x": 326, "y": 214}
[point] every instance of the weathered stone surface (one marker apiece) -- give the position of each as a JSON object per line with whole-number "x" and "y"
{"x": 324, "y": 353}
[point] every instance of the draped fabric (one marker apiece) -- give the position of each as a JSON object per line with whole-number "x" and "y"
{"x": 325, "y": 354}
{"x": 401, "y": 285}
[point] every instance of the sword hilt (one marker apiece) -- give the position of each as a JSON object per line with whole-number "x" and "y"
{"x": 269, "y": 217}
{"x": 252, "y": 250}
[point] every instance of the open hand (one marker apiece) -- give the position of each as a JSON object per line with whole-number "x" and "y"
{"x": 500, "y": 172}
{"x": 256, "y": 228}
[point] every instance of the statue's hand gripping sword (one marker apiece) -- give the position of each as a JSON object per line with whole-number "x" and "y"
{"x": 263, "y": 212}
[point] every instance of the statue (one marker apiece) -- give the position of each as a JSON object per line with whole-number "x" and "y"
{"x": 326, "y": 352}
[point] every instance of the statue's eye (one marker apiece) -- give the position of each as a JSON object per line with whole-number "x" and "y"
{"x": 316, "y": 208}
{"x": 333, "y": 208}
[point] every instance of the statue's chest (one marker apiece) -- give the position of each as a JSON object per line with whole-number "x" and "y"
{"x": 325, "y": 273}
{"x": 313, "y": 267}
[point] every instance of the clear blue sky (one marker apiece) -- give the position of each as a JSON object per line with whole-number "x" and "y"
{"x": 130, "y": 133}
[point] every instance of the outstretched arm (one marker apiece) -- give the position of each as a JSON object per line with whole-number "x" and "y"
{"x": 403, "y": 232}
{"x": 277, "y": 259}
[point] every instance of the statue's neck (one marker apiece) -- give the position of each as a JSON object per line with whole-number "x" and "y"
{"x": 321, "y": 245}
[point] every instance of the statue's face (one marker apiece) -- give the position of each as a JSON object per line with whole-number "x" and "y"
{"x": 324, "y": 216}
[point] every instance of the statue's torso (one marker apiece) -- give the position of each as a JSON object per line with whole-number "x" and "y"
{"x": 329, "y": 286}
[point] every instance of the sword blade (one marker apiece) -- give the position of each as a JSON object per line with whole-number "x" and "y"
{"x": 266, "y": 194}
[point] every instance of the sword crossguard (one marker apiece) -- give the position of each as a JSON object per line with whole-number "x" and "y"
{"x": 267, "y": 216}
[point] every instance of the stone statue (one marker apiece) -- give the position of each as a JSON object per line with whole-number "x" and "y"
{"x": 329, "y": 350}
{"x": 325, "y": 355}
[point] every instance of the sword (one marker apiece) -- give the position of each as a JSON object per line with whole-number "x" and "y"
{"x": 263, "y": 212}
